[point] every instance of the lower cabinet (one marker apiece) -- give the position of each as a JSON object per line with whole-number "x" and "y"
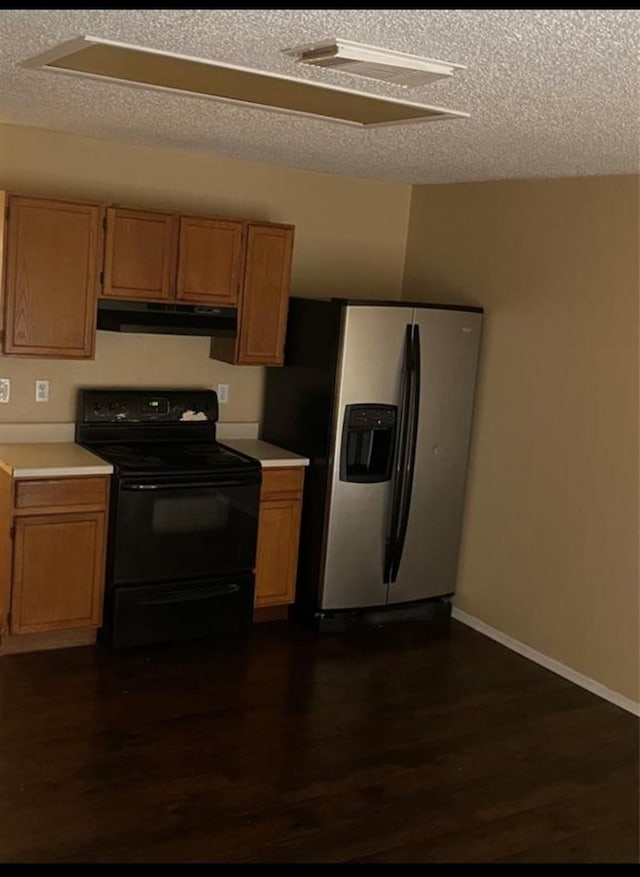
{"x": 57, "y": 572}
{"x": 53, "y": 581}
{"x": 278, "y": 536}
{"x": 52, "y": 555}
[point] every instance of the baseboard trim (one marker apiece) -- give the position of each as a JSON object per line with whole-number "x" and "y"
{"x": 39, "y": 642}
{"x": 270, "y": 613}
{"x": 526, "y": 651}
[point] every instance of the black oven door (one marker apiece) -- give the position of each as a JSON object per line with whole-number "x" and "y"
{"x": 181, "y": 530}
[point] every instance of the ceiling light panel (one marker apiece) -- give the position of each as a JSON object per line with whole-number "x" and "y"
{"x": 195, "y": 77}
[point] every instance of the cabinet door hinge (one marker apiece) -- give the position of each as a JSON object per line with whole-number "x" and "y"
{"x": 104, "y": 223}
{"x": 6, "y": 213}
{"x": 12, "y": 532}
{"x": 102, "y": 278}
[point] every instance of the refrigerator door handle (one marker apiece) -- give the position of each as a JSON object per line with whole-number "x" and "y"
{"x": 410, "y": 457}
{"x": 400, "y": 458}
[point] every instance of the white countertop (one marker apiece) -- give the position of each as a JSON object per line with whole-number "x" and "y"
{"x": 267, "y": 455}
{"x": 50, "y": 460}
{"x": 59, "y": 459}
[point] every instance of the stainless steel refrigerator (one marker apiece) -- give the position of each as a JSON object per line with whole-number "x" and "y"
{"x": 380, "y": 397}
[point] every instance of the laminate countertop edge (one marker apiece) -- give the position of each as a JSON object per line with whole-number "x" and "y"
{"x": 50, "y": 460}
{"x": 269, "y": 456}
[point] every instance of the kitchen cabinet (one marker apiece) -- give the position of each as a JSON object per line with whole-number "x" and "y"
{"x": 52, "y": 580}
{"x": 209, "y": 261}
{"x": 57, "y": 572}
{"x": 157, "y": 256}
{"x": 264, "y": 298}
{"x": 278, "y": 536}
{"x": 60, "y": 255}
{"x": 52, "y": 262}
{"x": 140, "y": 254}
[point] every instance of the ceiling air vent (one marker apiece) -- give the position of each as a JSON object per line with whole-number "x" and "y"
{"x": 372, "y": 62}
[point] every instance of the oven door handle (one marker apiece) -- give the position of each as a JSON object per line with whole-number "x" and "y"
{"x": 188, "y": 485}
{"x": 190, "y": 596}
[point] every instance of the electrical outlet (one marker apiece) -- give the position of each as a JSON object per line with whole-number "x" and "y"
{"x": 42, "y": 391}
{"x": 5, "y": 389}
{"x": 223, "y": 393}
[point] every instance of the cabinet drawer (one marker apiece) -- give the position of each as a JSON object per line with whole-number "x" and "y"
{"x": 279, "y": 483}
{"x": 61, "y": 493}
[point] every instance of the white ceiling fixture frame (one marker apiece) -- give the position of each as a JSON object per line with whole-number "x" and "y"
{"x": 46, "y": 61}
{"x": 373, "y": 62}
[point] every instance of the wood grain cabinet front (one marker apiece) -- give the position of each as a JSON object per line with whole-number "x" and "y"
{"x": 61, "y": 255}
{"x": 140, "y": 254}
{"x": 209, "y": 261}
{"x": 264, "y": 298}
{"x": 52, "y": 541}
{"x": 53, "y": 257}
{"x": 156, "y": 256}
{"x": 278, "y": 536}
{"x": 57, "y": 572}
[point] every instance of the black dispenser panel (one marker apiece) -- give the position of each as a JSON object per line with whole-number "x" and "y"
{"x": 368, "y": 443}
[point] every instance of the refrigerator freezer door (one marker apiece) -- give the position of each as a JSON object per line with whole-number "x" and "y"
{"x": 449, "y": 345}
{"x": 369, "y": 373}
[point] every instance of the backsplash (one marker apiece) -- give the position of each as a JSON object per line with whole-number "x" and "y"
{"x": 65, "y": 432}
{"x": 128, "y": 361}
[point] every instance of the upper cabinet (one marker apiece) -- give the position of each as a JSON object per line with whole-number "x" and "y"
{"x": 140, "y": 254}
{"x": 160, "y": 256}
{"x": 61, "y": 255}
{"x": 52, "y": 270}
{"x": 209, "y": 260}
{"x": 264, "y": 298}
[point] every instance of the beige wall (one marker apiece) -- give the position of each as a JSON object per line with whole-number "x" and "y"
{"x": 550, "y": 548}
{"x": 350, "y": 240}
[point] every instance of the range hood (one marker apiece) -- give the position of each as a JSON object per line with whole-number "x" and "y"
{"x": 161, "y": 318}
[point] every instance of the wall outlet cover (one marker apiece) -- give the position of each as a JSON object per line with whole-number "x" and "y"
{"x": 5, "y": 389}
{"x": 42, "y": 391}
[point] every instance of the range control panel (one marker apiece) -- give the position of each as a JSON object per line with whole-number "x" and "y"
{"x": 140, "y": 406}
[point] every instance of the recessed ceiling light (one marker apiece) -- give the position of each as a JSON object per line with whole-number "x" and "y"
{"x": 373, "y": 62}
{"x": 197, "y": 77}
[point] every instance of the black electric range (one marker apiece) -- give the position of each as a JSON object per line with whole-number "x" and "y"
{"x": 183, "y": 516}
{"x": 173, "y": 458}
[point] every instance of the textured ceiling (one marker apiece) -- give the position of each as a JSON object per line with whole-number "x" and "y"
{"x": 550, "y": 92}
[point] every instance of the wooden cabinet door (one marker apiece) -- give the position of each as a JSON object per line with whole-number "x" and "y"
{"x": 265, "y": 295}
{"x": 52, "y": 277}
{"x": 58, "y": 572}
{"x": 140, "y": 254}
{"x": 277, "y": 554}
{"x": 209, "y": 260}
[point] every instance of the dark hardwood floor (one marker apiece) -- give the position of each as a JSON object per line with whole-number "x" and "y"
{"x": 397, "y": 744}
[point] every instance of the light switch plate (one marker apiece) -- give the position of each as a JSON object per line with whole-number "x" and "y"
{"x": 5, "y": 389}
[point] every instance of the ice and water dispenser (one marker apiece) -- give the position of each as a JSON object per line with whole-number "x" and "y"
{"x": 368, "y": 443}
